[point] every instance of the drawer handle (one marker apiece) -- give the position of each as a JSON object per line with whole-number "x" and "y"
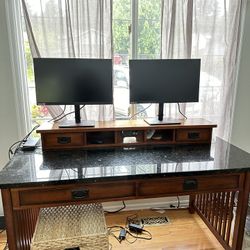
{"x": 190, "y": 184}
{"x": 80, "y": 194}
{"x": 193, "y": 135}
{"x": 63, "y": 140}
{"x": 72, "y": 248}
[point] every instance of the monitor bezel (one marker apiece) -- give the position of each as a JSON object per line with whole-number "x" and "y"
{"x": 166, "y": 101}
{"x": 82, "y": 102}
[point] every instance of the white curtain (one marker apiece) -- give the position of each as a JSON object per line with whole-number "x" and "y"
{"x": 71, "y": 28}
{"x": 209, "y": 30}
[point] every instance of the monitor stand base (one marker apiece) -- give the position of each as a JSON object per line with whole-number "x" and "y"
{"x": 73, "y": 124}
{"x": 165, "y": 121}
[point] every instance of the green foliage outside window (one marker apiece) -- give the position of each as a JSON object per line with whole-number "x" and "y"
{"x": 29, "y": 62}
{"x": 149, "y": 12}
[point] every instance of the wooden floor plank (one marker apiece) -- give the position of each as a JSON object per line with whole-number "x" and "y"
{"x": 3, "y": 240}
{"x": 185, "y": 231}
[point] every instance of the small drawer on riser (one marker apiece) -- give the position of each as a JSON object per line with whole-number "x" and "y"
{"x": 63, "y": 140}
{"x": 183, "y": 135}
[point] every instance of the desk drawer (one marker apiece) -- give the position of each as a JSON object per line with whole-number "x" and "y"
{"x": 98, "y": 192}
{"x": 46, "y": 196}
{"x": 186, "y": 185}
{"x": 64, "y": 140}
{"x": 188, "y": 135}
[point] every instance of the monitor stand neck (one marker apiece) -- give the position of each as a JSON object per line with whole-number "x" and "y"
{"x": 77, "y": 122}
{"x": 160, "y": 111}
{"x": 161, "y": 120}
{"x": 77, "y": 114}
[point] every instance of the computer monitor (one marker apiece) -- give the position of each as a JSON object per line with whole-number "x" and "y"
{"x": 164, "y": 81}
{"x": 73, "y": 81}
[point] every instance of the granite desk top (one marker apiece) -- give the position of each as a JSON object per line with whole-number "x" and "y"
{"x": 82, "y": 166}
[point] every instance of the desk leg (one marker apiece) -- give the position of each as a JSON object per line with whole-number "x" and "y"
{"x": 25, "y": 222}
{"x": 241, "y": 213}
{"x": 217, "y": 211}
{"x": 9, "y": 219}
{"x": 20, "y": 224}
{"x": 191, "y": 204}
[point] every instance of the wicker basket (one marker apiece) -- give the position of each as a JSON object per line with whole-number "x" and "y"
{"x": 71, "y": 226}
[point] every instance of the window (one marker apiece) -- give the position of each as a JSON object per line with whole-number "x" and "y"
{"x": 137, "y": 33}
{"x": 38, "y": 113}
{"x": 131, "y": 39}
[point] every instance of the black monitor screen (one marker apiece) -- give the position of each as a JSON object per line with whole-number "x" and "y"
{"x": 73, "y": 81}
{"x": 167, "y": 80}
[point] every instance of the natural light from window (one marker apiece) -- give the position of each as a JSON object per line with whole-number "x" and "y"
{"x": 145, "y": 43}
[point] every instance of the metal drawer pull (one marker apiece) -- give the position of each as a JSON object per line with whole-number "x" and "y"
{"x": 80, "y": 194}
{"x": 63, "y": 140}
{"x": 190, "y": 184}
{"x": 72, "y": 248}
{"x": 193, "y": 135}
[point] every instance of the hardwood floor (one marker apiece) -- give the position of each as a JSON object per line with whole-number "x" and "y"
{"x": 184, "y": 232}
{"x": 3, "y": 240}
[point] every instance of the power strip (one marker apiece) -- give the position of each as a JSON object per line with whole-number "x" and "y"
{"x": 30, "y": 144}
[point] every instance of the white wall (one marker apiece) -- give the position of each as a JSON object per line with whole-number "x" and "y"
{"x": 241, "y": 122}
{"x": 8, "y": 120}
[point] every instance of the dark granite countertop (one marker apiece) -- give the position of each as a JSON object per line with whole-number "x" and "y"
{"x": 61, "y": 167}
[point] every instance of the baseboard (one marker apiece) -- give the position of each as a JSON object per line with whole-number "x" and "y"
{"x": 147, "y": 204}
{"x": 2, "y": 222}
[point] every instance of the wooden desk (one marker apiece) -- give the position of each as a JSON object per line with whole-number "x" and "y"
{"x": 213, "y": 177}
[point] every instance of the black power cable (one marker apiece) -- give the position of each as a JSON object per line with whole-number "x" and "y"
{"x": 56, "y": 120}
{"x": 116, "y": 211}
{"x": 141, "y": 237}
{"x": 16, "y": 145}
{"x": 118, "y": 228}
{"x": 140, "y": 111}
{"x": 10, "y": 151}
{"x": 179, "y": 109}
